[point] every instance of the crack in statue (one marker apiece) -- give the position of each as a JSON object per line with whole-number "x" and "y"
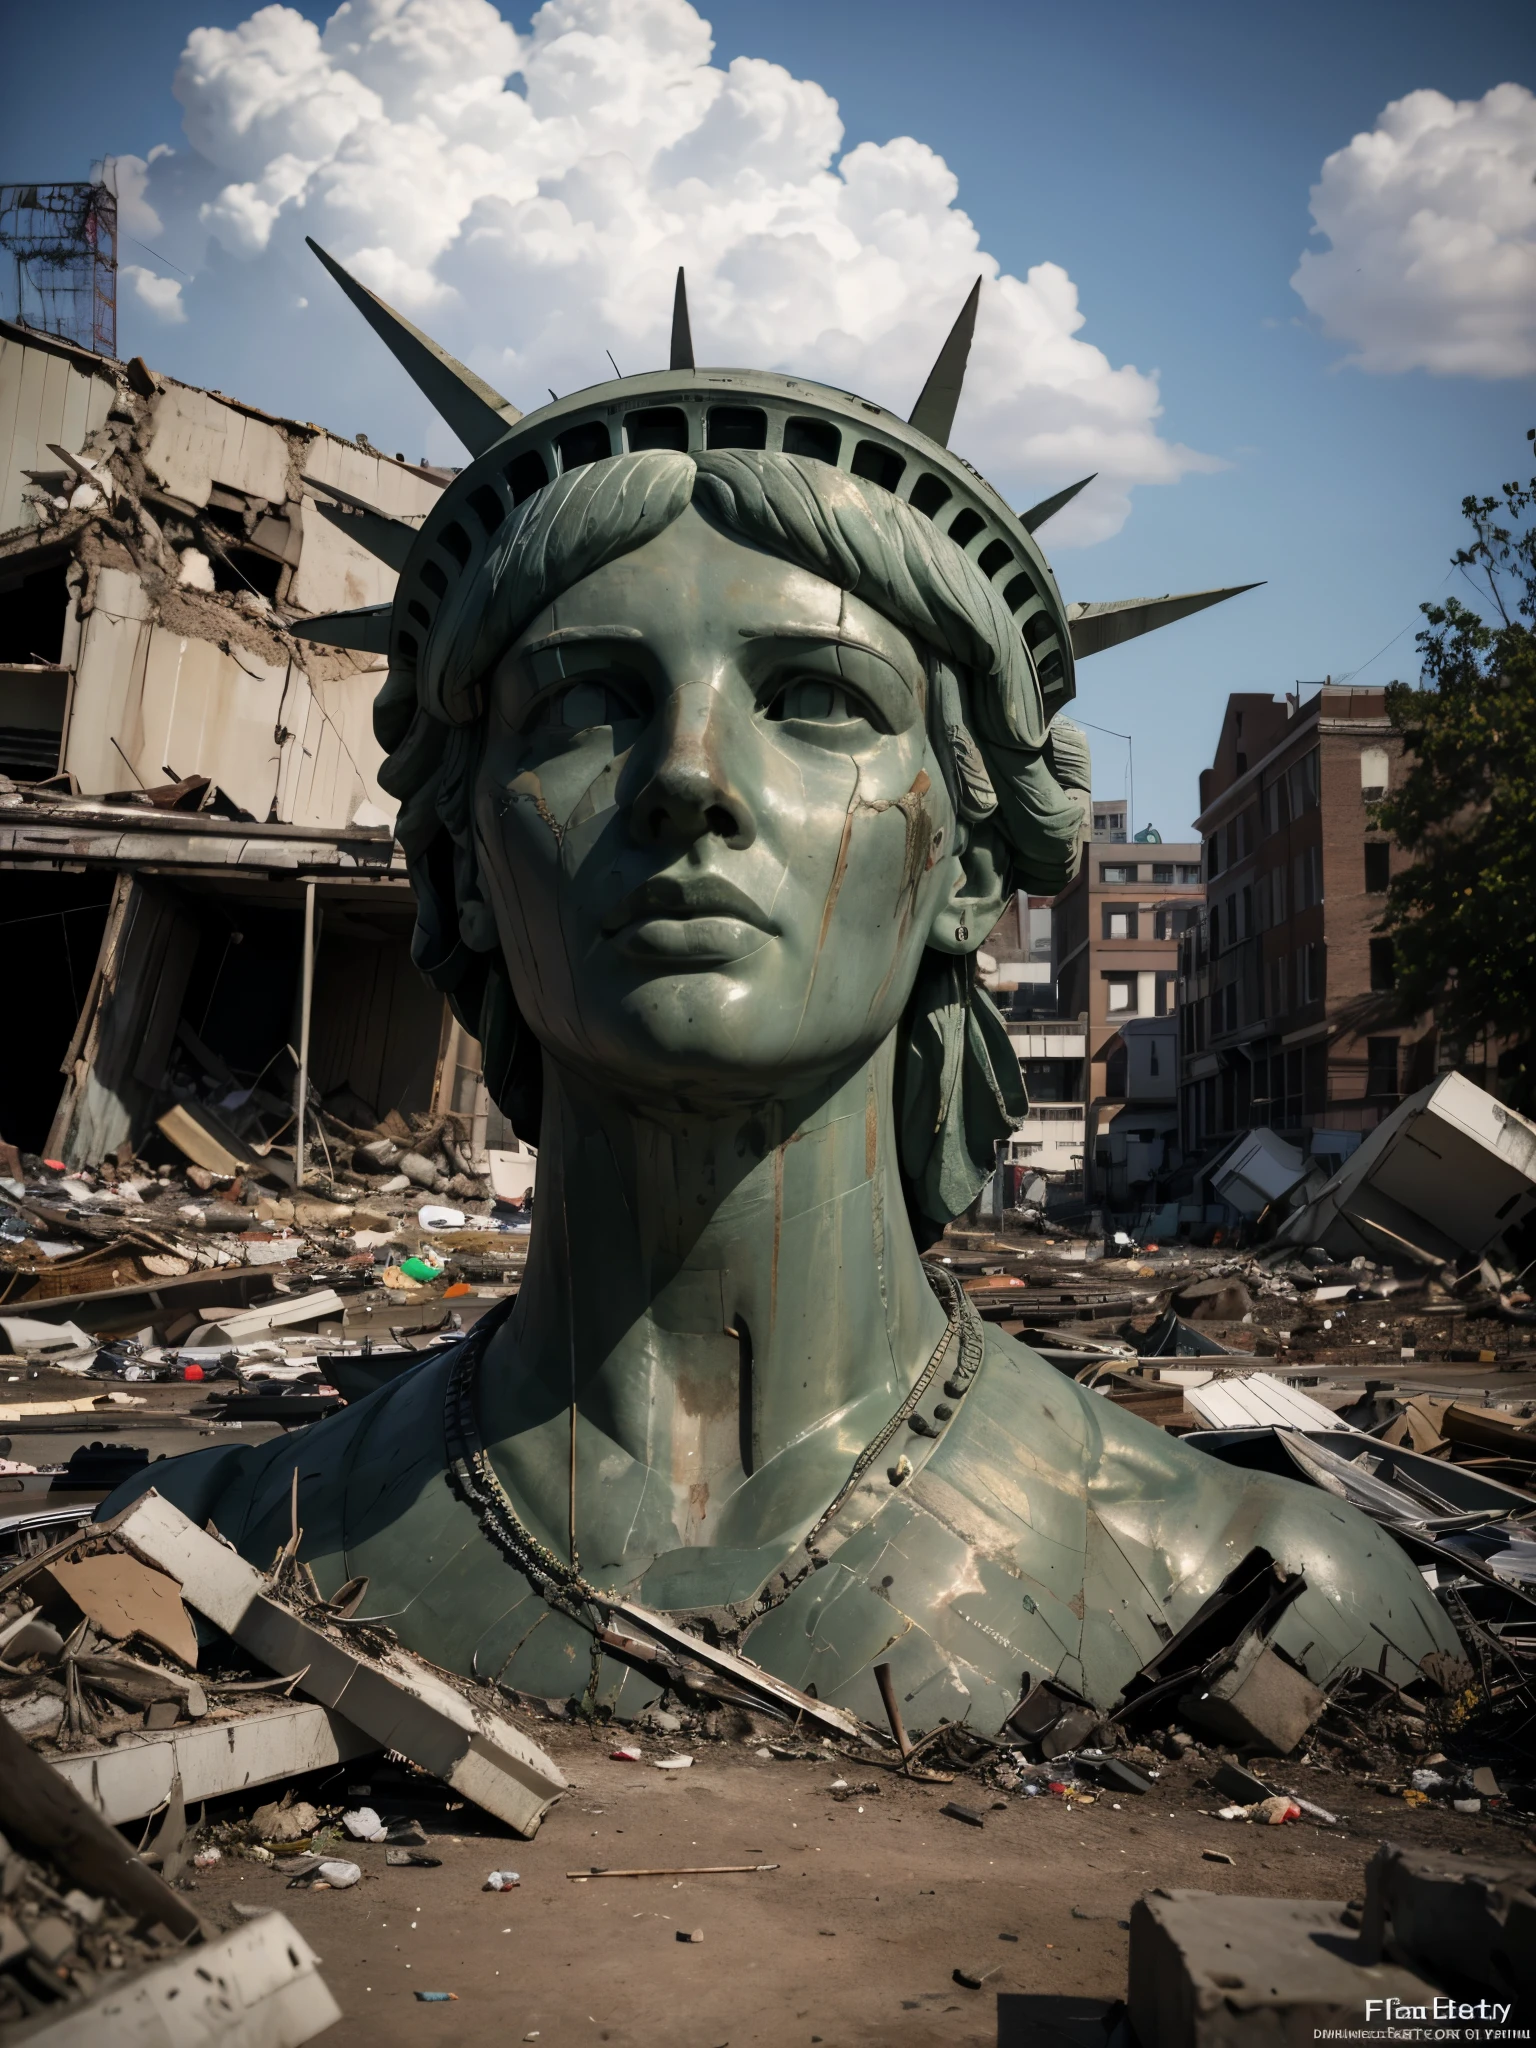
{"x": 722, "y": 711}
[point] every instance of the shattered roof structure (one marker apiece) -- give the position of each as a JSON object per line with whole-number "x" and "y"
{"x": 178, "y": 773}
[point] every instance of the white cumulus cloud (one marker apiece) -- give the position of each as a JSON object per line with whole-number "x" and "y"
{"x": 159, "y": 296}
{"x": 1432, "y": 222}
{"x": 529, "y": 199}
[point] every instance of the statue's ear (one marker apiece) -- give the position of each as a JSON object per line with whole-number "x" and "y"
{"x": 980, "y": 889}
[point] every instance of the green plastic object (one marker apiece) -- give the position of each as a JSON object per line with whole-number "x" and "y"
{"x": 419, "y": 1269}
{"x": 723, "y": 711}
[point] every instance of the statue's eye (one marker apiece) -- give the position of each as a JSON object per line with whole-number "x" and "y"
{"x": 580, "y": 706}
{"x": 814, "y": 702}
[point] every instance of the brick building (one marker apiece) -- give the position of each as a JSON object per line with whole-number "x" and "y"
{"x": 1277, "y": 976}
{"x": 1117, "y": 929}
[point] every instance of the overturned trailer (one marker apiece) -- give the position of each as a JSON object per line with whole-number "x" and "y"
{"x": 1448, "y": 1175}
{"x": 202, "y": 891}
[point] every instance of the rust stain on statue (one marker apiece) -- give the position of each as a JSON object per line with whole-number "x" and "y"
{"x": 525, "y": 788}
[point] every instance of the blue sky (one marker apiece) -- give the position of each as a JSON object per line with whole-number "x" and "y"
{"x": 1161, "y": 158}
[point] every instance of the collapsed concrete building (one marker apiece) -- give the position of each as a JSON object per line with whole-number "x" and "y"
{"x": 182, "y": 781}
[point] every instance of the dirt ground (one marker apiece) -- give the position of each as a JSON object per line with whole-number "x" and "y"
{"x": 853, "y": 1939}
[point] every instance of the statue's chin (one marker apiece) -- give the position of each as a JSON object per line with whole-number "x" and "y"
{"x": 703, "y": 1042}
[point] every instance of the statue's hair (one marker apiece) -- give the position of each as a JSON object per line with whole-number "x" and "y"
{"x": 1012, "y": 776}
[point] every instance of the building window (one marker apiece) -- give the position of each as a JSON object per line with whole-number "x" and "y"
{"x": 1154, "y": 1065}
{"x": 1280, "y": 986}
{"x": 1311, "y": 977}
{"x": 1378, "y": 866}
{"x": 1188, "y": 871}
{"x": 1114, "y": 1075}
{"x": 1162, "y": 871}
{"x": 1120, "y": 991}
{"x": 1215, "y": 929}
{"x": 1381, "y": 1066}
{"x": 1383, "y": 964}
{"x": 1307, "y": 877}
{"x": 1113, "y": 875}
{"x": 1120, "y": 921}
{"x": 1373, "y": 773}
{"x": 1162, "y": 999}
{"x": 1301, "y": 781}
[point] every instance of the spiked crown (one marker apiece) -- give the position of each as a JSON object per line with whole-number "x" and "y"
{"x": 690, "y": 409}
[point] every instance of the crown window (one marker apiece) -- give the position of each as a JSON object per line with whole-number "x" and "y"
{"x": 878, "y": 464}
{"x": 456, "y": 541}
{"x": 996, "y": 555}
{"x": 489, "y": 509}
{"x": 816, "y": 438}
{"x": 525, "y": 475}
{"x": 736, "y": 426}
{"x": 965, "y": 529}
{"x": 587, "y": 443}
{"x": 659, "y": 426}
{"x": 929, "y": 495}
{"x": 1018, "y": 593}
{"x": 434, "y": 579}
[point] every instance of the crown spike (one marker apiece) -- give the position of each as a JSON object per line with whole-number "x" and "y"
{"x": 1037, "y": 515}
{"x": 682, "y": 333}
{"x": 476, "y": 413}
{"x": 934, "y": 412}
{"x": 1096, "y": 626}
{"x": 365, "y": 631}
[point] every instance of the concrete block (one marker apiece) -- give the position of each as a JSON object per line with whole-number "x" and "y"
{"x": 1471, "y": 1920}
{"x": 1213, "y": 1972}
{"x": 270, "y": 1743}
{"x": 395, "y": 1699}
{"x": 259, "y": 1987}
{"x": 1256, "y": 1701}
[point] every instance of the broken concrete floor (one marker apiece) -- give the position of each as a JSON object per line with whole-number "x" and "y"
{"x": 852, "y": 1942}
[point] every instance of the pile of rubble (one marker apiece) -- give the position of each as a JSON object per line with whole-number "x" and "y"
{"x": 130, "y": 1271}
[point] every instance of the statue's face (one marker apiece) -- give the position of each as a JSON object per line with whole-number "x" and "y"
{"x": 710, "y": 823}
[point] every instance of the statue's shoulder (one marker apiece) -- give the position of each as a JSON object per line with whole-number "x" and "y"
{"x": 1017, "y": 1392}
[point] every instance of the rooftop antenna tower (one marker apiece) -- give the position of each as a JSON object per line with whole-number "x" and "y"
{"x": 62, "y": 245}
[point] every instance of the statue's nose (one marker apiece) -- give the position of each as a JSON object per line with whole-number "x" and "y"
{"x": 691, "y": 793}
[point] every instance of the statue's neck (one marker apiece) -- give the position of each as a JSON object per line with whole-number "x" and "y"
{"x": 730, "y": 1307}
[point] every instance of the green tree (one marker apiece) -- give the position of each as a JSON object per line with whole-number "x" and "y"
{"x": 1462, "y": 918}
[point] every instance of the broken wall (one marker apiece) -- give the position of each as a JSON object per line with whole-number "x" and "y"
{"x": 171, "y": 586}
{"x": 49, "y": 392}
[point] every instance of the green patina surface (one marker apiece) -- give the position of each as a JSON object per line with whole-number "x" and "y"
{"x": 716, "y": 766}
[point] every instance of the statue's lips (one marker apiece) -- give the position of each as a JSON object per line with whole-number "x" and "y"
{"x": 689, "y": 917}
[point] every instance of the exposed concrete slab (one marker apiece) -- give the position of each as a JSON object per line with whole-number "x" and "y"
{"x": 259, "y": 1987}
{"x": 268, "y": 1744}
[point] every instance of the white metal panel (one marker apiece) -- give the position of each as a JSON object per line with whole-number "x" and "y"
{"x": 334, "y": 574}
{"x": 108, "y": 678}
{"x": 44, "y": 396}
{"x": 1258, "y": 1400}
{"x": 388, "y": 485}
{"x": 198, "y": 442}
